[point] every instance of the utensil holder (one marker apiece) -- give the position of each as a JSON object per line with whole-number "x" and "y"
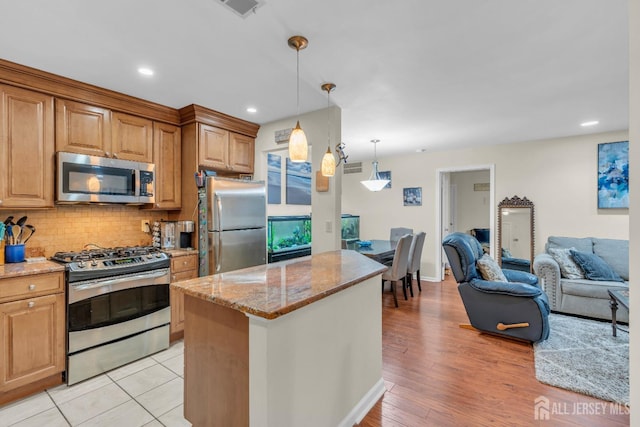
{"x": 14, "y": 253}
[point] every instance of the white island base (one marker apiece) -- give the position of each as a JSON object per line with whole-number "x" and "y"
{"x": 319, "y": 365}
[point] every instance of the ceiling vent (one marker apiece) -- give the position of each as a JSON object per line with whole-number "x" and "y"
{"x": 355, "y": 167}
{"x": 243, "y": 8}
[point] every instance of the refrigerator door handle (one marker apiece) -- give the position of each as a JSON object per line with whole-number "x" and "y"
{"x": 218, "y": 251}
{"x": 218, "y": 216}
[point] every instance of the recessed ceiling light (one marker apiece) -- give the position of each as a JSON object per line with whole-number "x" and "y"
{"x": 591, "y": 123}
{"x": 421, "y": 150}
{"x": 145, "y": 71}
{"x": 252, "y": 110}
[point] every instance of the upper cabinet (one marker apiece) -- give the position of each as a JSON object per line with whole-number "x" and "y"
{"x": 216, "y": 141}
{"x": 167, "y": 158}
{"x": 26, "y": 149}
{"x": 225, "y": 151}
{"x": 241, "y": 153}
{"x": 82, "y": 128}
{"x": 132, "y": 138}
{"x": 213, "y": 147}
{"x": 86, "y": 129}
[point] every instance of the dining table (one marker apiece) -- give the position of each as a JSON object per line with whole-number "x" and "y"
{"x": 379, "y": 250}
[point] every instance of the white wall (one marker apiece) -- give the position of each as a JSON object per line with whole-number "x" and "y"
{"x": 472, "y": 206}
{"x": 325, "y": 207}
{"x": 559, "y": 176}
{"x": 634, "y": 242}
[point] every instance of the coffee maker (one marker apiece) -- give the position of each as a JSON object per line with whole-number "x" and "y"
{"x": 184, "y": 232}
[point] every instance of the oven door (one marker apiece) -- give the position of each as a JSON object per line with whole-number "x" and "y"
{"x": 110, "y": 309}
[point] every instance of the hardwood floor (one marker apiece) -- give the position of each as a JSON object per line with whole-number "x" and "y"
{"x": 438, "y": 374}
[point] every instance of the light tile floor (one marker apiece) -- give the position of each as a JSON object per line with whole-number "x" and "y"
{"x": 148, "y": 392}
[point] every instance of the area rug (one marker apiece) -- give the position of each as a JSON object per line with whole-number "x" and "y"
{"x": 583, "y": 356}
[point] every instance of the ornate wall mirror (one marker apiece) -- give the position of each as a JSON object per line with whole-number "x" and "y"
{"x": 515, "y": 233}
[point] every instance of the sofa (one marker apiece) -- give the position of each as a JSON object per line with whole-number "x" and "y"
{"x": 584, "y": 296}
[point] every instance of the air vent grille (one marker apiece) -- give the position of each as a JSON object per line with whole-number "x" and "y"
{"x": 355, "y": 167}
{"x": 242, "y": 7}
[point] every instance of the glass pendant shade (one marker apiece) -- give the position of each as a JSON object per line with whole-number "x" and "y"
{"x": 328, "y": 167}
{"x": 298, "y": 147}
{"x": 375, "y": 183}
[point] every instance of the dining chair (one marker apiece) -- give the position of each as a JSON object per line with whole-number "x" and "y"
{"x": 415, "y": 256}
{"x": 397, "y": 232}
{"x": 397, "y": 272}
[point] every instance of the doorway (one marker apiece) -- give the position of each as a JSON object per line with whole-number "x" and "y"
{"x": 450, "y": 215}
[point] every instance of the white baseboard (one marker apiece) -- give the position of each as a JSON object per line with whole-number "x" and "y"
{"x": 363, "y": 407}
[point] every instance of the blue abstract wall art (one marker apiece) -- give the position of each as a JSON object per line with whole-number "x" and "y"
{"x": 613, "y": 175}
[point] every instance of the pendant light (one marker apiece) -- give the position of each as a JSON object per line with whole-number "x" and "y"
{"x": 328, "y": 166}
{"x": 375, "y": 183}
{"x": 298, "y": 147}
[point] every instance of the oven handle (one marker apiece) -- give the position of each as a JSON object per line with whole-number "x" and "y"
{"x": 99, "y": 287}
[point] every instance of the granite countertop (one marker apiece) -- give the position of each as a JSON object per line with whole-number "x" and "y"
{"x": 27, "y": 268}
{"x": 272, "y": 290}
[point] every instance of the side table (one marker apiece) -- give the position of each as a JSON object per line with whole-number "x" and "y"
{"x": 618, "y": 297}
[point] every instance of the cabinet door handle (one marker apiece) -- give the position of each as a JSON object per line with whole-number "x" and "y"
{"x": 32, "y": 287}
{"x": 31, "y": 304}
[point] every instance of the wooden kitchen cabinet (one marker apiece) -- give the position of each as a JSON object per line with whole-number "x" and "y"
{"x": 167, "y": 158}
{"x": 225, "y": 151}
{"x": 131, "y": 137}
{"x": 213, "y": 147}
{"x": 87, "y": 129}
{"x": 26, "y": 149}
{"x": 32, "y": 331}
{"x": 82, "y": 128}
{"x": 182, "y": 268}
{"x": 241, "y": 153}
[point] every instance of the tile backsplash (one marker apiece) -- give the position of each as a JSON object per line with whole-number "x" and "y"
{"x": 70, "y": 228}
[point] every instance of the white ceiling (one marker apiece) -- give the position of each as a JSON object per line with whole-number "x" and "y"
{"x": 416, "y": 74}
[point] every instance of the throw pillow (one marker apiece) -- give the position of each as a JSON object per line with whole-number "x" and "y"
{"x": 490, "y": 270}
{"x": 595, "y": 268}
{"x": 568, "y": 267}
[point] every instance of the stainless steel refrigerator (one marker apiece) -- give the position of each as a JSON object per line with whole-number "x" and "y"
{"x": 236, "y": 224}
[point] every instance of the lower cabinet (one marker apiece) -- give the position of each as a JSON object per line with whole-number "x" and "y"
{"x": 182, "y": 268}
{"x": 33, "y": 340}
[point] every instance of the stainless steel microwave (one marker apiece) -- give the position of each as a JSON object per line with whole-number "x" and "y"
{"x": 92, "y": 179}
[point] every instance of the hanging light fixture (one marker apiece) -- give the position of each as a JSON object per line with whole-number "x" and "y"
{"x": 375, "y": 183}
{"x": 328, "y": 166}
{"x": 298, "y": 147}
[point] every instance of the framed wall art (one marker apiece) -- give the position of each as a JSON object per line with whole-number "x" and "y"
{"x": 274, "y": 179}
{"x": 386, "y": 175}
{"x": 613, "y": 175}
{"x": 298, "y": 183}
{"x": 412, "y": 196}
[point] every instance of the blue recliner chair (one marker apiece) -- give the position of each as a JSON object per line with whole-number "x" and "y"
{"x": 502, "y": 308}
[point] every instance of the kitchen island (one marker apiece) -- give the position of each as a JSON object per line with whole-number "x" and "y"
{"x": 292, "y": 343}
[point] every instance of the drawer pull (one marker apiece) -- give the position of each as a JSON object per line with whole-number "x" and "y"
{"x": 31, "y": 304}
{"x": 32, "y": 287}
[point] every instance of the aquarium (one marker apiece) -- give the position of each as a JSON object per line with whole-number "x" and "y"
{"x": 288, "y": 237}
{"x": 350, "y": 227}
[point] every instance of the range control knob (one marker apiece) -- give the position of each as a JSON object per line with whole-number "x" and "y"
{"x": 81, "y": 264}
{"x": 94, "y": 263}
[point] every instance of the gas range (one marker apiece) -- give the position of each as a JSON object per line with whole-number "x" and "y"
{"x": 107, "y": 262}
{"x": 118, "y": 307}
